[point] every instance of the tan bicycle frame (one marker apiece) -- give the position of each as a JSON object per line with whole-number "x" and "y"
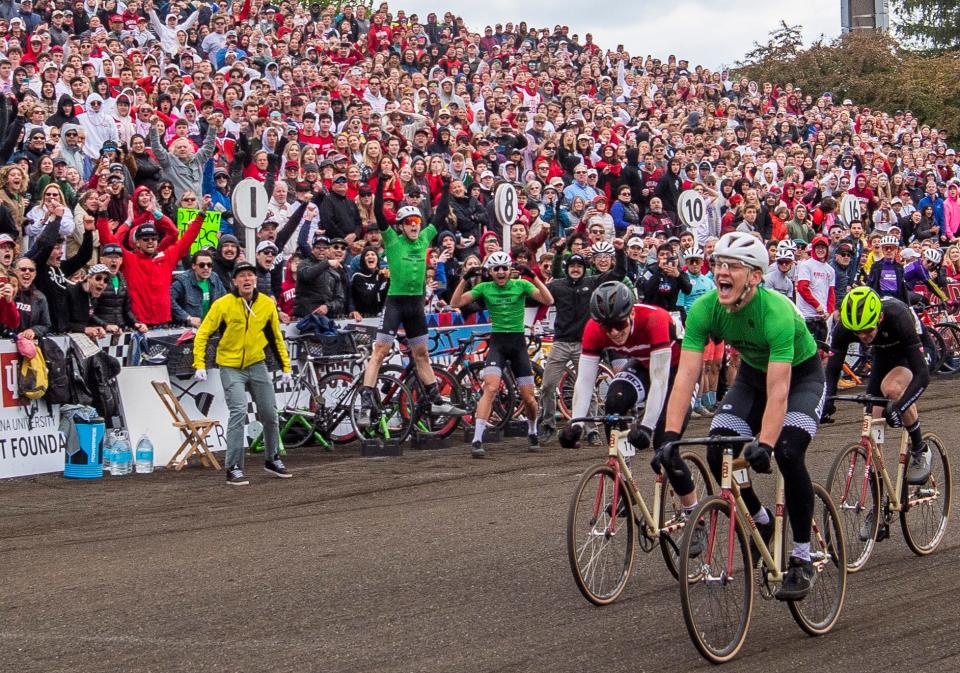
{"x": 871, "y": 436}
{"x": 650, "y": 521}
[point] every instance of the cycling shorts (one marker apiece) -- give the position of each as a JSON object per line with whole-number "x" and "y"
{"x": 741, "y": 410}
{"x": 402, "y": 311}
{"x": 508, "y": 349}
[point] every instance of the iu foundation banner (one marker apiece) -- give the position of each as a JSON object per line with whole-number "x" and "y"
{"x": 28, "y": 444}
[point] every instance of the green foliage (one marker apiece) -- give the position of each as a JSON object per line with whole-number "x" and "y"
{"x": 339, "y": 4}
{"x": 929, "y": 24}
{"x": 870, "y": 68}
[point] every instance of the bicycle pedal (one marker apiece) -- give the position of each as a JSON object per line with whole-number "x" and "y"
{"x": 883, "y": 532}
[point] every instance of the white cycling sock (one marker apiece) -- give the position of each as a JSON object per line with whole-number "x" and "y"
{"x": 689, "y": 510}
{"x": 762, "y": 517}
{"x": 801, "y": 550}
{"x": 532, "y": 426}
{"x": 478, "y": 430}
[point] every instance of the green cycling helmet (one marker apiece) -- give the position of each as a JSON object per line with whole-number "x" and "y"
{"x": 860, "y": 309}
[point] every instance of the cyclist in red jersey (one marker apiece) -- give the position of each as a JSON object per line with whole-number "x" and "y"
{"x": 645, "y": 342}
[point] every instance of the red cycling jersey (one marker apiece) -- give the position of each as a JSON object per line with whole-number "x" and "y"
{"x": 653, "y": 328}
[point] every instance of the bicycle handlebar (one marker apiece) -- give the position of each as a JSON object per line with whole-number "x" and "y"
{"x": 608, "y": 419}
{"x": 860, "y": 399}
{"x": 708, "y": 441}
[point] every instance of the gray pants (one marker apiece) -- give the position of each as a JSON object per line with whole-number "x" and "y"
{"x": 235, "y": 383}
{"x": 561, "y": 353}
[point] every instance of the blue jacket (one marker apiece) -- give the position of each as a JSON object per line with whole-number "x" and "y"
{"x": 186, "y": 297}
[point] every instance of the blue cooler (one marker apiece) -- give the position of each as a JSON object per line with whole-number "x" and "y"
{"x": 87, "y": 461}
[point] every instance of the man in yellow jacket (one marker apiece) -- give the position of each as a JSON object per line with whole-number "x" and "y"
{"x": 249, "y": 323}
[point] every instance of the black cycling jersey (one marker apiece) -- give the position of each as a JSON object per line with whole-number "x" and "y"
{"x": 897, "y": 344}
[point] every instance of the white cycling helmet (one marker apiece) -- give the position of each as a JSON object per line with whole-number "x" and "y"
{"x": 786, "y": 244}
{"x": 602, "y": 248}
{"x": 408, "y": 211}
{"x": 786, "y": 254}
{"x": 693, "y": 253}
{"x": 932, "y": 255}
{"x": 498, "y": 258}
{"x": 889, "y": 240}
{"x": 744, "y": 247}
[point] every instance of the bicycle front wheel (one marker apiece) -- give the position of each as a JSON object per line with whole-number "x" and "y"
{"x": 924, "y": 509}
{"x": 818, "y": 612}
{"x": 394, "y": 420}
{"x": 600, "y": 544}
{"x": 717, "y": 596}
{"x": 672, "y": 519}
{"x": 855, "y": 490}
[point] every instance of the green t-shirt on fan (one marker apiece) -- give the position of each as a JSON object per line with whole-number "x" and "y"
{"x": 505, "y": 304}
{"x": 768, "y": 329}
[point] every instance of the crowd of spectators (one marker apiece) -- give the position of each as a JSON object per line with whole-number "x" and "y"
{"x": 124, "y": 125}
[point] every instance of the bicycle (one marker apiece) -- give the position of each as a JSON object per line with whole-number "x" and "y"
{"x": 848, "y": 376}
{"x": 593, "y": 530}
{"x": 327, "y": 408}
{"x": 855, "y": 480}
{"x": 717, "y": 596}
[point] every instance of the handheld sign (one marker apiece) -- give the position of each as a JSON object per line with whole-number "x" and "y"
{"x": 249, "y": 203}
{"x": 850, "y": 209}
{"x": 753, "y": 88}
{"x": 505, "y": 208}
{"x": 692, "y": 208}
{"x": 209, "y": 231}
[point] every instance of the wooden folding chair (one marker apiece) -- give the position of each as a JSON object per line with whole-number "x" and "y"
{"x": 195, "y": 431}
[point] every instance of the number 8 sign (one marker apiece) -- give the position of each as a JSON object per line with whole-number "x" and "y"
{"x": 692, "y": 208}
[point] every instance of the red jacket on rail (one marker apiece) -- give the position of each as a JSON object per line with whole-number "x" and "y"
{"x": 149, "y": 278}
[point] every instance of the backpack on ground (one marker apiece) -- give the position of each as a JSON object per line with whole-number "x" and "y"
{"x": 58, "y": 373}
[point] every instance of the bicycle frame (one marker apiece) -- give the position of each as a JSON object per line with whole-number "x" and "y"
{"x": 871, "y": 439}
{"x": 733, "y": 474}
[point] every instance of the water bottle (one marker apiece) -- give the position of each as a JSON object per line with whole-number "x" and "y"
{"x": 144, "y": 455}
{"x": 122, "y": 462}
{"x": 109, "y": 442}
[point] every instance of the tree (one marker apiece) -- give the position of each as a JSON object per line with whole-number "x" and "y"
{"x": 930, "y": 24}
{"x": 871, "y": 68}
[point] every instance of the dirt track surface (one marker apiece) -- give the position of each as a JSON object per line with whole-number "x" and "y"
{"x": 429, "y": 562}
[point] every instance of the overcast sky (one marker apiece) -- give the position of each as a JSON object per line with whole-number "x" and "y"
{"x": 707, "y": 33}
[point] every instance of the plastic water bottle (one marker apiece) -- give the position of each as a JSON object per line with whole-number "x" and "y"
{"x": 109, "y": 441}
{"x": 144, "y": 455}
{"x": 122, "y": 461}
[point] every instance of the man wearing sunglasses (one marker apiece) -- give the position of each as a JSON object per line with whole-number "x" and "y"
{"x": 777, "y": 395}
{"x": 505, "y": 299}
{"x": 405, "y": 247}
{"x": 193, "y": 292}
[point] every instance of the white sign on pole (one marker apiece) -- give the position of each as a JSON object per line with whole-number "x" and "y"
{"x": 850, "y": 209}
{"x": 249, "y": 204}
{"x": 505, "y": 208}
{"x": 692, "y": 208}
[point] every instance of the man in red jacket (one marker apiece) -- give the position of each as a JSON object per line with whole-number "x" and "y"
{"x": 150, "y": 273}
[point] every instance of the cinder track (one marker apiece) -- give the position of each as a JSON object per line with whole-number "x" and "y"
{"x": 430, "y": 562}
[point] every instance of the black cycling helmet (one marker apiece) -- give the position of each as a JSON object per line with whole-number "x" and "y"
{"x": 612, "y": 302}
{"x": 575, "y": 258}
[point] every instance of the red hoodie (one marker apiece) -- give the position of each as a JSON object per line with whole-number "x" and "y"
{"x": 149, "y": 278}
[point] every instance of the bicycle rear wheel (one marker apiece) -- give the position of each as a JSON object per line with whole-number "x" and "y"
{"x": 470, "y": 379}
{"x": 924, "y": 509}
{"x": 950, "y": 333}
{"x": 855, "y": 491}
{"x": 600, "y": 547}
{"x": 717, "y": 599}
{"x": 818, "y": 612}
{"x": 568, "y": 381}
{"x": 934, "y": 349}
{"x": 672, "y": 519}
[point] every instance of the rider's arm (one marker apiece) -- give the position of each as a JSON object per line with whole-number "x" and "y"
{"x": 659, "y": 375}
{"x": 778, "y": 389}
{"x": 688, "y": 375}
{"x": 541, "y": 294}
{"x": 840, "y": 342}
{"x": 461, "y": 298}
{"x": 583, "y": 388}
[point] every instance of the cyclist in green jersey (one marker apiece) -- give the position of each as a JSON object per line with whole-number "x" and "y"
{"x": 777, "y": 396}
{"x": 406, "y": 252}
{"x": 504, "y": 298}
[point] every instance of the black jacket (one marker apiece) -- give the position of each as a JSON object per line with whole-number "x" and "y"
{"x": 113, "y": 306}
{"x": 317, "y": 284}
{"x": 339, "y": 216}
{"x": 470, "y": 215}
{"x": 81, "y": 309}
{"x": 572, "y": 300}
{"x": 662, "y": 290}
{"x": 34, "y": 312}
{"x": 52, "y": 281}
{"x": 368, "y": 289}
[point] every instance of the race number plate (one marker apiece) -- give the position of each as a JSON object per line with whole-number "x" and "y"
{"x": 742, "y": 477}
{"x": 876, "y": 433}
{"x": 626, "y": 449}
